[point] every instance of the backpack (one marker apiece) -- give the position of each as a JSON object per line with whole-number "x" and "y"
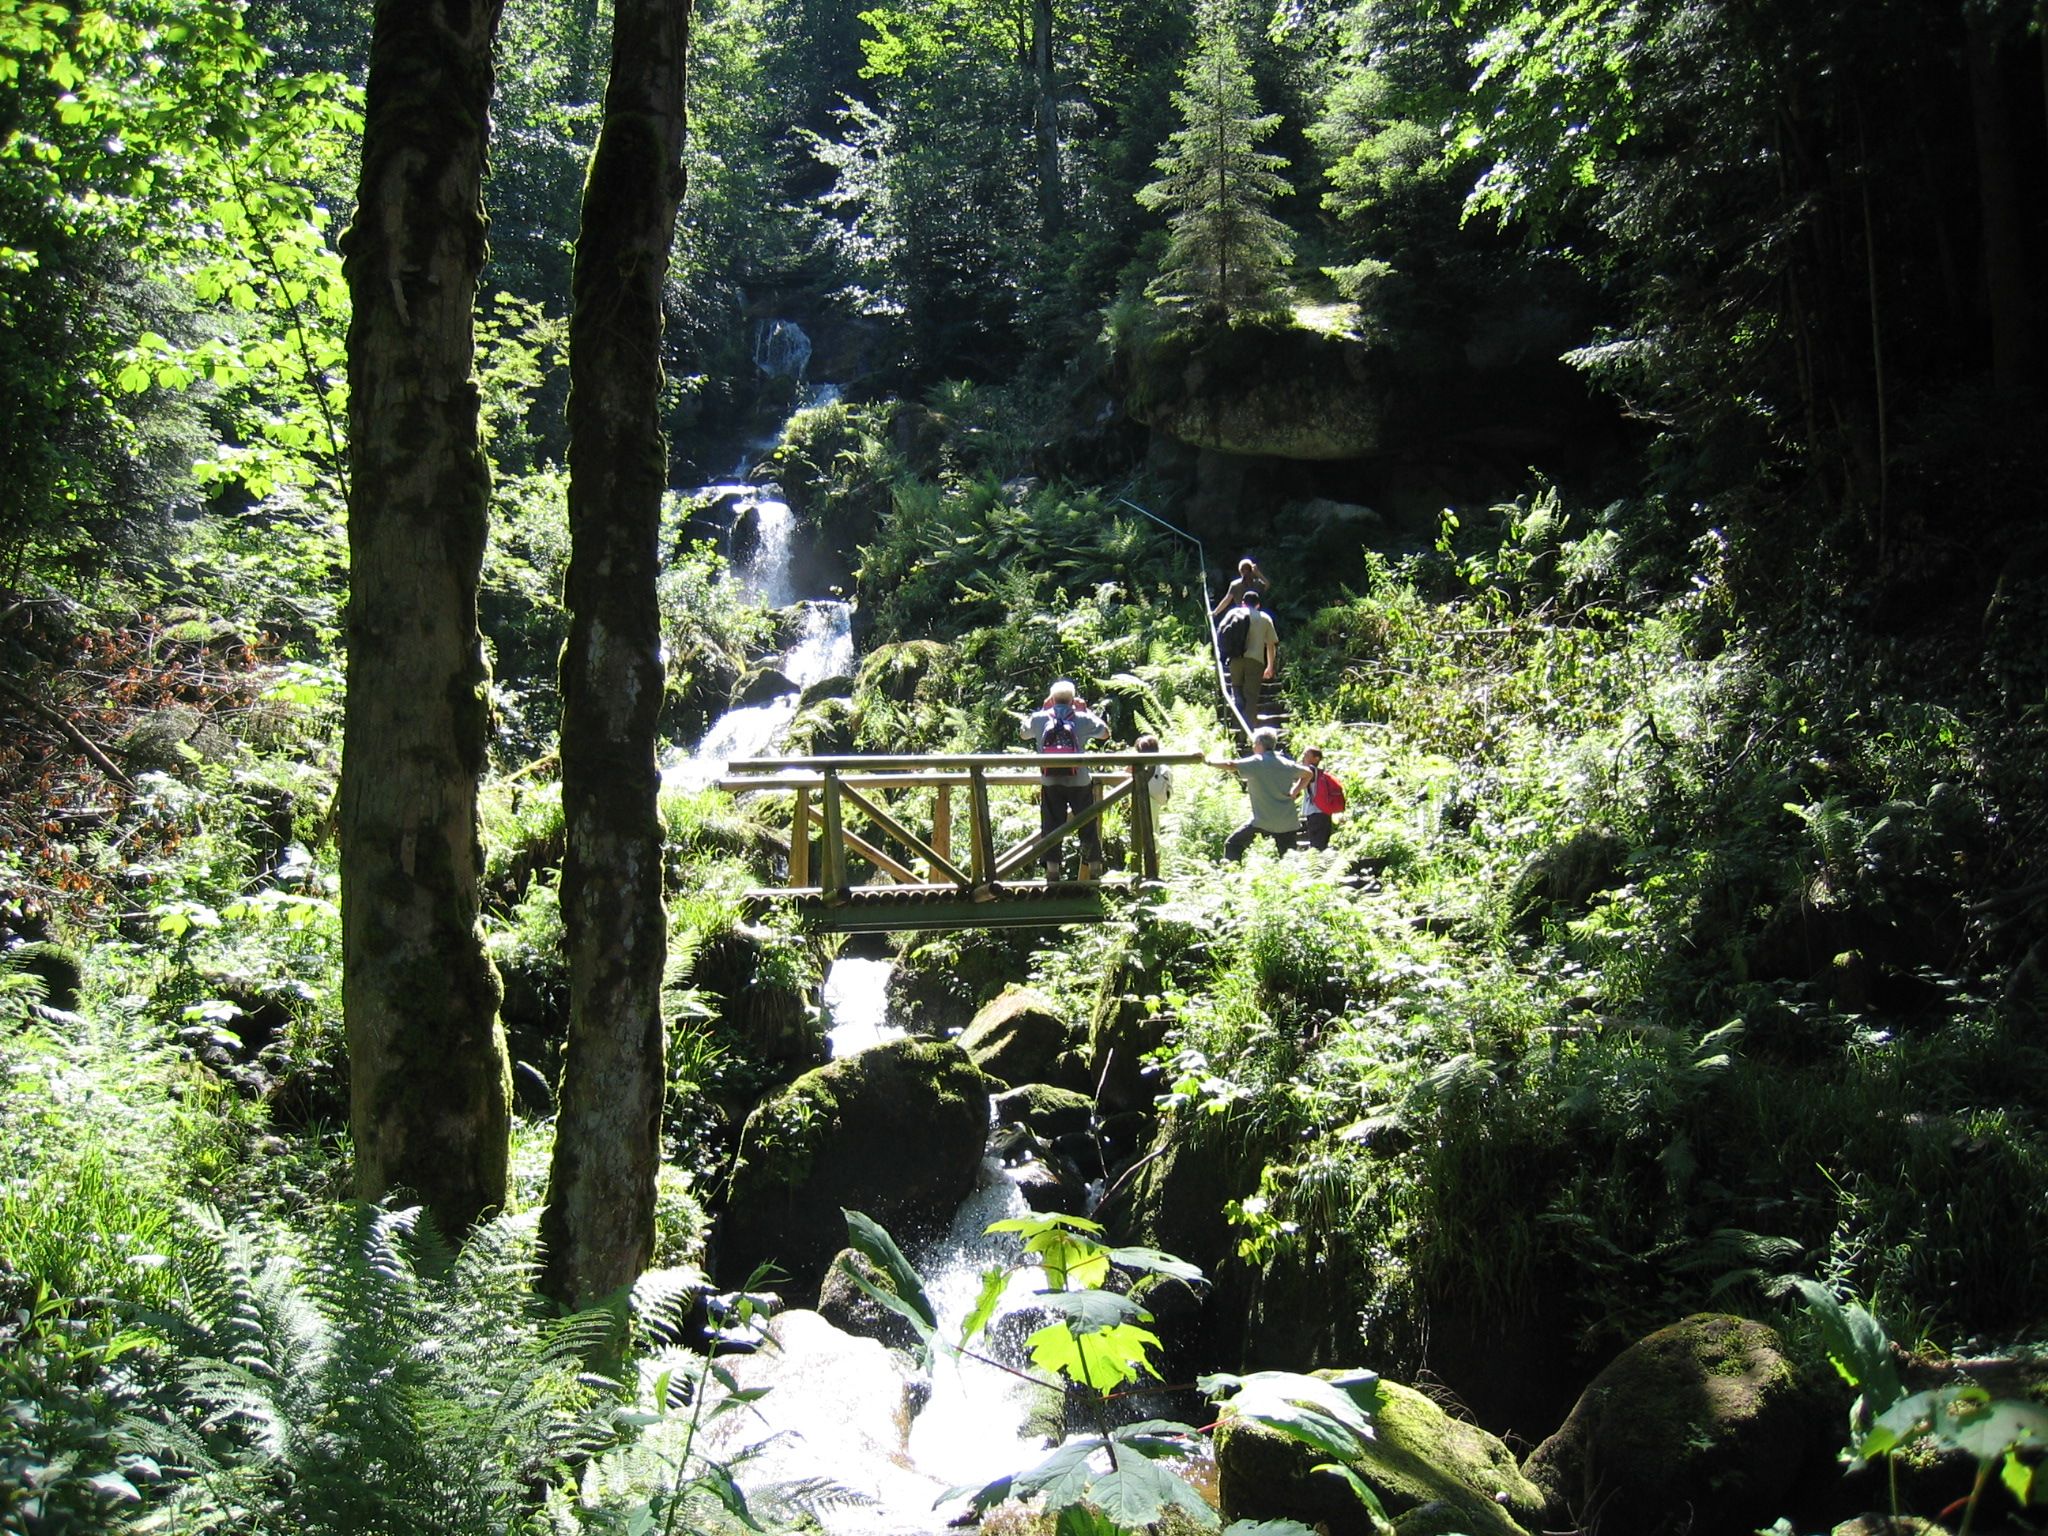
{"x": 1234, "y": 632}
{"x": 1326, "y": 794}
{"x": 1060, "y": 736}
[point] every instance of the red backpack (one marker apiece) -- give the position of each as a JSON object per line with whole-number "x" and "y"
{"x": 1326, "y": 794}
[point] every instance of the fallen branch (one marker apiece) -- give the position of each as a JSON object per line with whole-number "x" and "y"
{"x": 84, "y": 743}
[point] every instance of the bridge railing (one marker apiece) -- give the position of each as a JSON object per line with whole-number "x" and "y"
{"x": 831, "y": 792}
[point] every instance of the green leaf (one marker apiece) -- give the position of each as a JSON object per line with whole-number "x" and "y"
{"x": 993, "y": 1283}
{"x": 1102, "y": 1360}
{"x": 887, "y": 1299}
{"x": 1152, "y": 1261}
{"x": 1331, "y": 1416}
{"x": 2018, "y": 1477}
{"x": 1087, "y": 1311}
{"x": 1987, "y": 1428}
{"x": 1137, "y": 1492}
{"x": 1268, "y": 1528}
{"x": 867, "y": 1237}
{"x": 1362, "y": 1490}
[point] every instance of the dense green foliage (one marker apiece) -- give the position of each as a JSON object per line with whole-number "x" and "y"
{"x": 1684, "y": 931}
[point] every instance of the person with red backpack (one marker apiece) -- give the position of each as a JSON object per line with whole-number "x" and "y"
{"x": 1062, "y": 725}
{"x": 1322, "y": 797}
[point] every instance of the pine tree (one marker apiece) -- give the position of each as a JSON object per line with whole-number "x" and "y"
{"x": 1225, "y": 250}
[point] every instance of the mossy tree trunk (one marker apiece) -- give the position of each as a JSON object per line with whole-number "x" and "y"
{"x": 429, "y": 1083}
{"x": 599, "y": 1225}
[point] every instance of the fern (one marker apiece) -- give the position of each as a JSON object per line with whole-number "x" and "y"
{"x": 388, "y": 1383}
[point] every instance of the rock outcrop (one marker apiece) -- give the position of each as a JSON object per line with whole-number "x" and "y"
{"x": 1020, "y": 1038}
{"x": 1447, "y": 1474}
{"x": 1704, "y": 1427}
{"x": 895, "y": 1131}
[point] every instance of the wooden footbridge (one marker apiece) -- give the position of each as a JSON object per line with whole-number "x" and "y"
{"x": 917, "y": 862}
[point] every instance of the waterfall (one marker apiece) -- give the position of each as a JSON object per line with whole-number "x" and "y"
{"x": 781, "y": 349}
{"x": 848, "y": 1411}
{"x": 824, "y": 649}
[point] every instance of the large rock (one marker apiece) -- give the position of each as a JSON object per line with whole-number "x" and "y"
{"x": 1704, "y": 1426}
{"x": 852, "y": 1310}
{"x": 1454, "y": 1475}
{"x": 1019, "y": 1038}
{"x": 1284, "y": 390}
{"x": 940, "y": 979}
{"x": 762, "y": 995}
{"x": 895, "y": 1131}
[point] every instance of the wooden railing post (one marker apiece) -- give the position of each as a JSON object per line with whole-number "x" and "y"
{"x": 834, "y": 880}
{"x": 800, "y": 841}
{"x": 1143, "y": 847}
{"x": 942, "y": 820}
{"x": 980, "y": 831}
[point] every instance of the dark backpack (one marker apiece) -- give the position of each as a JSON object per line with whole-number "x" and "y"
{"x": 1234, "y": 632}
{"x": 1060, "y": 736}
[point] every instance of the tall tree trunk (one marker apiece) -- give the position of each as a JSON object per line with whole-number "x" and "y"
{"x": 599, "y": 1225}
{"x": 429, "y": 1098}
{"x": 2008, "y": 285}
{"x": 1051, "y": 197}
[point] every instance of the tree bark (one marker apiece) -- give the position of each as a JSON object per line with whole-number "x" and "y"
{"x": 2008, "y": 284}
{"x": 1051, "y": 196}
{"x": 429, "y": 1097}
{"x": 599, "y": 1226}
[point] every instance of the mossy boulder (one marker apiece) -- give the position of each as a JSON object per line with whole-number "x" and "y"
{"x": 1420, "y": 1459}
{"x": 174, "y": 740}
{"x": 762, "y": 685}
{"x": 762, "y": 990}
{"x": 1562, "y": 879}
{"x": 940, "y": 979}
{"x": 1274, "y": 389}
{"x": 1049, "y": 1110}
{"x": 55, "y": 965}
{"x": 1018, "y": 1038}
{"x": 895, "y": 1131}
{"x": 1704, "y": 1425}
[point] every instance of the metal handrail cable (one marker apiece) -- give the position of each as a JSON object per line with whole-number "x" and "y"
{"x": 1208, "y": 613}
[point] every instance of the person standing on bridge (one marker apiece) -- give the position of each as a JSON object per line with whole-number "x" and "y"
{"x": 1061, "y": 725}
{"x": 1273, "y": 779}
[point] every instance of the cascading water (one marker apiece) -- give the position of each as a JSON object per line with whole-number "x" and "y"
{"x": 854, "y": 1424}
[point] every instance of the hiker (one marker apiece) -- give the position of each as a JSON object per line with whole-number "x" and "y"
{"x": 1248, "y": 576}
{"x": 1160, "y": 785}
{"x": 1322, "y": 797}
{"x": 1273, "y": 779}
{"x": 1251, "y": 650}
{"x": 1064, "y": 724}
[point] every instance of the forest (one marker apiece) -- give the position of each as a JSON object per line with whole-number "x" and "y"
{"x": 434, "y": 434}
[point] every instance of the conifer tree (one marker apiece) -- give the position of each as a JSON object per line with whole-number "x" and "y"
{"x": 1225, "y": 250}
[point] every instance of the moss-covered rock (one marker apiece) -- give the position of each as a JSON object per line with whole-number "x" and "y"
{"x": 1283, "y": 390}
{"x": 763, "y": 995}
{"x": 895, "y": 1131}
{"x": 1049, "y": 1110}
{"x": 1561, "y": 879}
{"x": 1704, "y": 1425}
{"x": 1018, "y": 1038}
{"x": 1420, "y": 1459}
{"x": 55, "y": 965}
{"x": 940, "y": 979}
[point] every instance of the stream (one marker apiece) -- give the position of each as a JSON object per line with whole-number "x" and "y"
{"x": 847, "y": 1430}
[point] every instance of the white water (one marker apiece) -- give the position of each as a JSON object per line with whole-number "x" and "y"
{"x": 843, "y": 1411}
{"x": 857, "y": 1004}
